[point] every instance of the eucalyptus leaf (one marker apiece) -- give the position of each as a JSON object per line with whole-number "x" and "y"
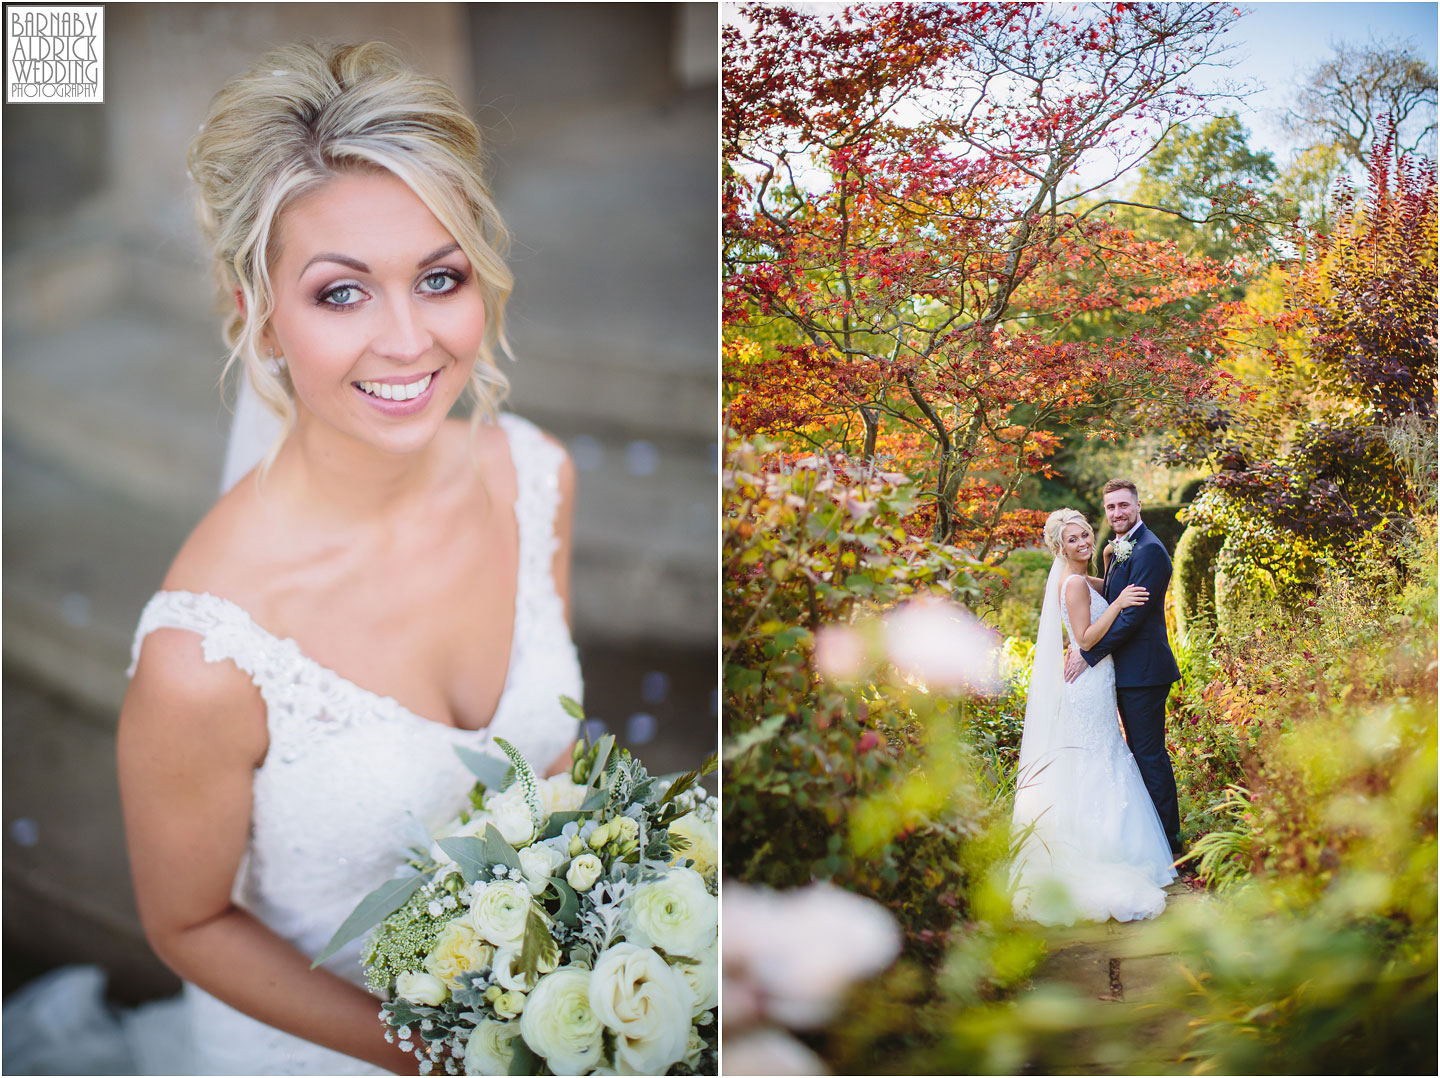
{"x": 495, "y": 774}
{"x": 569, "y": 910}
{"x": 572, "y": 708}
{"x": 558, "y": 820}
{"x": 593, "y": 800}
{"x": 524, "y": 1061}
{"x": 469, "y": 853}
{"x": 373, "y": 908}
{"x": 497, "y": 850}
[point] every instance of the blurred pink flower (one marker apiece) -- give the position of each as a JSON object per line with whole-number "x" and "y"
{"x": 770, "y": 1051}
{"x": 789, "y": 956}
{"x": 943, "y": 646}
{"x": 839, "y": 652}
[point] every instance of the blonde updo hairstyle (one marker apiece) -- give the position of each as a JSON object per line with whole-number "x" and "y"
{"x": 1056, "y": 524}
{"x": 304, "y": 114}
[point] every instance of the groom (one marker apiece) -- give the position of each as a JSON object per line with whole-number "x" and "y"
{"x": 1144, "y": 666}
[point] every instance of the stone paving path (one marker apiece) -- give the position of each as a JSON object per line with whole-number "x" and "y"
{"x": 1126, "y": 966}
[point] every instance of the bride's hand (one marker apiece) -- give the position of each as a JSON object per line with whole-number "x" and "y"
{"x": 1133, "y": 595}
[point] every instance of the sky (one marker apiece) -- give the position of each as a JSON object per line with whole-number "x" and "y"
{"x": 1276, "y": 42}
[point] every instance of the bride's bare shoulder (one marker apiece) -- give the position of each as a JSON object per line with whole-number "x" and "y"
{"x": 228, "y": 551}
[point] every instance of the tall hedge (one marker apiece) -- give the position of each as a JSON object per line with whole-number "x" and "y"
{"x": 1193, "y": 581}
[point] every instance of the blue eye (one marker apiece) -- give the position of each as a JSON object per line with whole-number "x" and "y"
{"x": 342, "y": 295}
{"x": 440, "y": 282}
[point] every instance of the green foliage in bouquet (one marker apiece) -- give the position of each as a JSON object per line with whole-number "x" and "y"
{"x": 515, "y": 943}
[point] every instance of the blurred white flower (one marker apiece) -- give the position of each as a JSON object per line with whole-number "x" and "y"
{"x": 790, "y": 956}
{"x": 943, "y": 646}
{"x": 769, "y": 1051}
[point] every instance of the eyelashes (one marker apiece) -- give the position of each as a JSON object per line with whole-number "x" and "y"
{"x": 346, "y": 295}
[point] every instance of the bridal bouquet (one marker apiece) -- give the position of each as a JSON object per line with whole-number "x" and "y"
{"x": 566, "y": 923}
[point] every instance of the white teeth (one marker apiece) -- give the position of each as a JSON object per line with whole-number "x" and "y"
{"x": 388, "y": 391}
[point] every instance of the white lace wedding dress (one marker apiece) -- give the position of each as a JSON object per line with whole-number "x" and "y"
{"x": 352, "y": 781}
{"x": 1093, "y": 847}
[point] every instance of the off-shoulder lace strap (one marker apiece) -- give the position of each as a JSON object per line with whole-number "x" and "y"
{"x": 226, "y": 631}
{"x": 537, "y": 499}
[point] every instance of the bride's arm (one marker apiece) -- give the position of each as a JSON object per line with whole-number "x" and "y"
{"x": 564, "y": 530}
{"x": 1077, "y": 602}
{"x": 191, "y": 734}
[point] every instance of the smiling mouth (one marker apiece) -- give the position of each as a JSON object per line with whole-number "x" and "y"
{"x": 397, "y": 391}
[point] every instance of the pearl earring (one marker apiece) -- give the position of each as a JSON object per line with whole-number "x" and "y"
{"x": 275, "y": 364}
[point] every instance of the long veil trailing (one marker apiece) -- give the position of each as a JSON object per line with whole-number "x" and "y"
{"x": 251, "y": 433}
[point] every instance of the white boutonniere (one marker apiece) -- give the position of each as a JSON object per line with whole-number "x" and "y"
{"x": 1123, "y": 549}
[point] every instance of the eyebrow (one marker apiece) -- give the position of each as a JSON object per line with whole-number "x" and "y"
{"x": 361, "y": 267}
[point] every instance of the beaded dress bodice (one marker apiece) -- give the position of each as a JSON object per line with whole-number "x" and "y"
{"x": 352, "y": 780}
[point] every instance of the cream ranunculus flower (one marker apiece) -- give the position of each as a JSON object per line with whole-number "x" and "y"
{"x": 539, "y": 863}
{"x": 458, "y": 950}
{"x": 560, "y": 1024}
{"x": 702, "y": 977}
{"x": 421, "y": 988}
{"x": 490, "y": 1048}
{"x": 584, "y": 871}
{"x": 511, "y": 816}
{"x": 704, "y": 839}
{"x": 646, "y": 1003}
{"x": 498, "y": 911}
{"x": 673, "y": 913}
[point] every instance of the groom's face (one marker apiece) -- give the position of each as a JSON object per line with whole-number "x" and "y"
{"x": 1122, "y": 510}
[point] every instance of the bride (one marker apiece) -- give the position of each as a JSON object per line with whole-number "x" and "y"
{"x": 1091, "y": 845}
{"x": 384, "y": 585}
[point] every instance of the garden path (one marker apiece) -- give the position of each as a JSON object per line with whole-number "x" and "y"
{"x": 1130, "y": 968}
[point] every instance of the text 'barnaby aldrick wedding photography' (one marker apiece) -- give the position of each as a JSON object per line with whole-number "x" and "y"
{"x": 54, "y": 53}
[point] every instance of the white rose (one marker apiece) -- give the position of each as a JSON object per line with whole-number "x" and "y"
{"x": 498, "y": 911}
{"x": 702, "y": 977}
{"x": 510, "y": 1004}
{"x": 704, "y": 839}
{"x": 673, "y": 913}
{"x": 490, "y": 1048}
{"x": 560, "y": 1025}
{"x": 561, "y": 793}
{"x": 584, "y": 871}
{"x": 507, "y": 968}
{"x": 511, "y": 816}
{"x": 539, "y": 863}
{"x": 421, "y": 988}
{"x": 646, "y": 1003}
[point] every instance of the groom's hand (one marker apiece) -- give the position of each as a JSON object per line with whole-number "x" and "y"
{"x": 1075, "y": 664}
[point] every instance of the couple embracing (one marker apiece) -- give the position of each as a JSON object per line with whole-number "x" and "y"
{"x": 1096, "y": 812}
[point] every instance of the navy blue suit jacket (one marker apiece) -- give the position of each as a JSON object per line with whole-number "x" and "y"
{"x": 1137, "y": 639}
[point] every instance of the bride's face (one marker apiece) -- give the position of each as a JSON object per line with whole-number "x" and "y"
{"x": 1077, "y": 542}
{"x": 377, "y": 312}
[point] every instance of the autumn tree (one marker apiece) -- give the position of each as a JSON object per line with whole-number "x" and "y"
{"x": 904, "y": 228}
{"x": 1304, "y": 453}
